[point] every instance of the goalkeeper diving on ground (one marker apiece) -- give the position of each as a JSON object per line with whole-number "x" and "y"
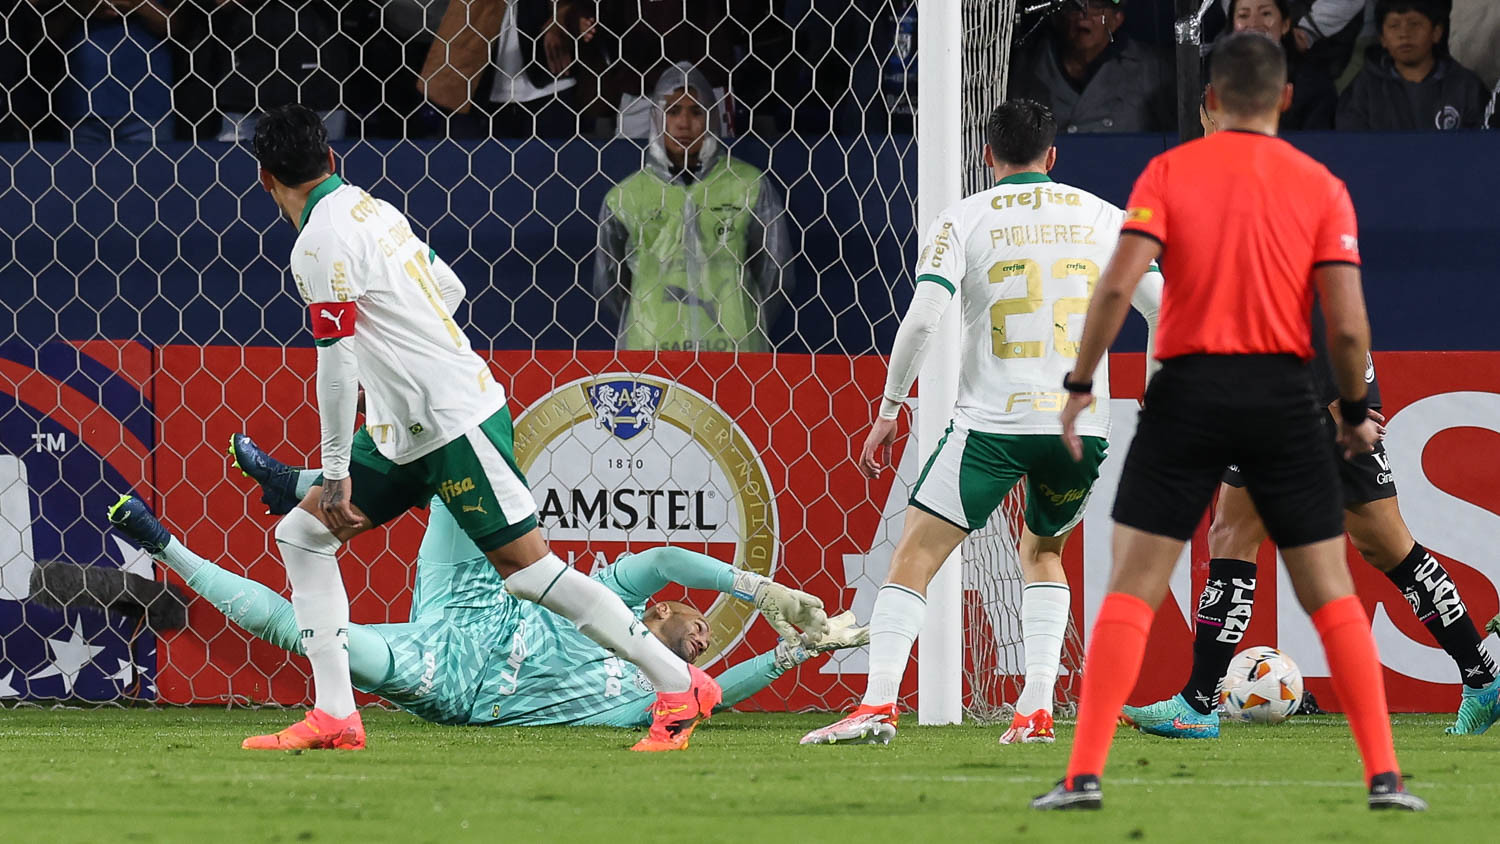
{"x": 471, "y": 653}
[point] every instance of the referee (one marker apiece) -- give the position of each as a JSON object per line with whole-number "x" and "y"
{"x": 1247, "y": 229}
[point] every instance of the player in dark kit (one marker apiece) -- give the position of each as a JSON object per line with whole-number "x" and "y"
{"x": 1373, "y": 521}
{"x": 1248, "y": 229}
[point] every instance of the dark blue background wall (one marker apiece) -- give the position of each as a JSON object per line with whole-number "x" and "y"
{"x": 179, "y": 245}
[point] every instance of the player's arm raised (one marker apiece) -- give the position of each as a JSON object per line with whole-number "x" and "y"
{"x": 324, "y": 278}
{"x": 939, "y": 272}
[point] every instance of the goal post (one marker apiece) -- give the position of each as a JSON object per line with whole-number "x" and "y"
{"x": 939, "y": 184}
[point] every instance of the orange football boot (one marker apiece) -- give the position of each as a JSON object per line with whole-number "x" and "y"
{"x": 675, "y": 714}
{"x": 865, "y": 725}
{"x": 1031, "y": 729}
{"x": 318, "y": 731}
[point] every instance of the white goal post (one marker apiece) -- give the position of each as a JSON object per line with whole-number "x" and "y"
{"x": 939, "y": 184}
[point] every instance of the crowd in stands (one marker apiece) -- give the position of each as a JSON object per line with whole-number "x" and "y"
{"x": 693, "y": 249}
{"x": 155, "y": 70}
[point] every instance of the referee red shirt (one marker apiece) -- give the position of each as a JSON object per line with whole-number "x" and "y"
{"x": 1243, "y": 218}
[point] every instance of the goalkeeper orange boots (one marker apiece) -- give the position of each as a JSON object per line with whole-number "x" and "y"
{"x": 675, "y": 714}
{"x": 865, "y": 725}
{"x": 318, "y": 731}
{"x": 1031, "y": 729}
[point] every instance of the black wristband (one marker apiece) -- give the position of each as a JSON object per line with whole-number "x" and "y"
{"x": 1077, "y": 386}
{"x": 1354, "y": 411}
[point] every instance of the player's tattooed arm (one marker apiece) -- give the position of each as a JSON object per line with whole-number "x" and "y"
{"x": 338, "y": 510}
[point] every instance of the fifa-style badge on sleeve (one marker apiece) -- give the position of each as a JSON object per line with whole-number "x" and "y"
{"x": 331, "y": 320}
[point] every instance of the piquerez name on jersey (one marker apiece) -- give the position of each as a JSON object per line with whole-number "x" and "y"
{"x": 368, "y": 280}
{"x": 1024, "y": 256}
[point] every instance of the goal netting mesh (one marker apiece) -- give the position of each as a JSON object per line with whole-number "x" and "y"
{"x": 145, "y": 272}
{"x": 994, "y": 662}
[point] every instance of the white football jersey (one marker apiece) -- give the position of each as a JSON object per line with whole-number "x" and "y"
{"x": 424, "y": 385}
{"x": 1025, "y": 255}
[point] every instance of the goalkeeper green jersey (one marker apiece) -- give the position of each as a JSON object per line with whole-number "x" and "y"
{"x": 474, "y": 654}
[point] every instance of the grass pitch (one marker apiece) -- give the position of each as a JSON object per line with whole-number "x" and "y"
{"x": 179, "y": 775}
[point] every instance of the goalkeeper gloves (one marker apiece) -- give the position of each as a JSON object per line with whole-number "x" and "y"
{"x": 787, "y": 610}
{"x": 842, "y": 633}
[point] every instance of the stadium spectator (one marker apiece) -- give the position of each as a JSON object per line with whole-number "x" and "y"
{"x": 118, "y": 86}
{"x": 1093, "y": 76}
{"x": 1474, "y": 37}
{"x": 1411, "y": 82}
{"x": 1314, "y": 98}
{"x": 693, "y": 249}
{"x": 1323, "y": 33}
{"x": 528, "y": 86}
{"x": 250, "y": 56}
{"x": 641, "y": 39}
{"x": 1324, "y": 36}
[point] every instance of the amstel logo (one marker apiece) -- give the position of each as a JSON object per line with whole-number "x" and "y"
{"x": 623, "y": 462}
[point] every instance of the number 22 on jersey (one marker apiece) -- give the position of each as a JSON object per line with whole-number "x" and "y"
{"x": 1006, "y": 346}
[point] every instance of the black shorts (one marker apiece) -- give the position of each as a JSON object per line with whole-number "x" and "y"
{"x": 1204, "y": 413}
{"x": 1364, "y": 479}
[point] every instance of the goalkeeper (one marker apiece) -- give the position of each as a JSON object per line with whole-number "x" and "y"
{"x": 472, "y": 654}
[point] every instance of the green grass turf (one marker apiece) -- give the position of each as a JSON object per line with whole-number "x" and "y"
{"x": 178, "y": 775}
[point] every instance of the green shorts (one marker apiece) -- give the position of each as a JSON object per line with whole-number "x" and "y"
{"x": 475, "y": 475}
{"x": 971, "y": 472}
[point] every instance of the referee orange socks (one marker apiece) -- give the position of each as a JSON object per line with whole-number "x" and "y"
{"x": 1116, "y": 646}
{"x": 1345, "y": 630}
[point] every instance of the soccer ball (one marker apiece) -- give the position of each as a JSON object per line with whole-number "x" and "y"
{"x": 1262, "y": 685}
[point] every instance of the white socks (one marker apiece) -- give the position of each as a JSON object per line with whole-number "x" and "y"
{"x": 601, "y": 616}
{"x": 1044, "y": 622}
{"x": 320, "y": 605}
{"x": 894, "y": 625}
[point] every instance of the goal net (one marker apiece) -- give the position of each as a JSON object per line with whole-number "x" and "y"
{"x": 690, "y": 321}
{"x": 994, "y": 660}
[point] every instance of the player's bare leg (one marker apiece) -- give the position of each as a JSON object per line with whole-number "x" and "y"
{"x": 685, "y": 694}
{"x": 900, "y": 609}
{"x": 1224, "y": 607}
{"x": 1382, "y": 538}
{"x": 1045, "y": 608}
{"x": 308, "y": 546}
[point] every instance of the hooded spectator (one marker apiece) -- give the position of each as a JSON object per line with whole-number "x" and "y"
{"x": 693, "y": 249}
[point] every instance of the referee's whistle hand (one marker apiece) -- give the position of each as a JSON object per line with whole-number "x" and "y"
{"x": 1077, "y": 403}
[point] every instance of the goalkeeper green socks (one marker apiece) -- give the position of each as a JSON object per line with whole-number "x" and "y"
{"x": 306, "y": 480}
{"x": 894, "y": 625}
{"x": 267, "y": 616}
{"x": 179, "y": 559}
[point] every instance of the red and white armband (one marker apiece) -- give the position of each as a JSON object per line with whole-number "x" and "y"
{"x": 331, "y": 320}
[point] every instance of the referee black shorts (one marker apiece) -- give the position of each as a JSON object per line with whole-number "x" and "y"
{"x": 1364, "y": 478}
{"x": 1204, "y": 413}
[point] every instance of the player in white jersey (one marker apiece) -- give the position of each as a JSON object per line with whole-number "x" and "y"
{"x": 437, "y": 424}
{"x": 1022, "y": 257}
